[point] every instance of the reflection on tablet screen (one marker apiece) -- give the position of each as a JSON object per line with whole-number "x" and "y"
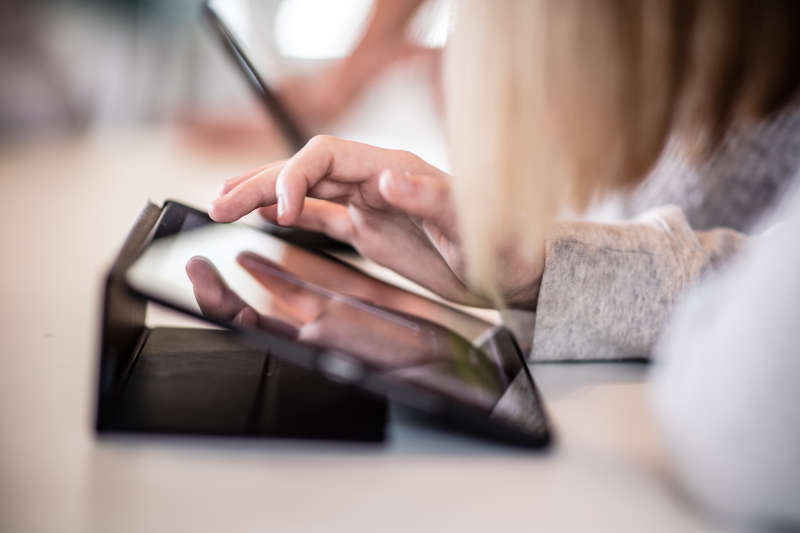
{"x": 239, "y": 275}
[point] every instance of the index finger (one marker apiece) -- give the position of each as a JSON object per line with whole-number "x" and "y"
{"x": 323, "y": 157}
{"x": 255, "y": 191}
{"x": 337, "y": 159}
{"x": 232, "y": 183}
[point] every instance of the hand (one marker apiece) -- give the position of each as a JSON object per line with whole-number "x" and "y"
{"x": 318, "y": 99}
{"x": 314, "y": 101}
{"x": 390, "y": 205}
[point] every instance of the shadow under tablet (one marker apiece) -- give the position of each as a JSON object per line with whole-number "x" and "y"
{"x": 198, "y": 381}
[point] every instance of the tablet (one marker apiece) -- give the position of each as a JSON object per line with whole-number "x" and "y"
{"x": 287, "y": 124}
{"x": 314, "y": 311}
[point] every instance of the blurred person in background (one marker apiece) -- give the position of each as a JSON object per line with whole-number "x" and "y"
{"x": 324, "y": 58}
{"x": 97, "y": 65}
{"x": 551, "y": 105}
{"x": 320, "y": 98}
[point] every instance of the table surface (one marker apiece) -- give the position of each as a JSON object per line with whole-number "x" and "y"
{"x": 67, "y": 205}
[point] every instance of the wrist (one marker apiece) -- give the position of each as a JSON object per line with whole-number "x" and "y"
{"x": 524, "y": 294}
{"x": 526, "y": 297}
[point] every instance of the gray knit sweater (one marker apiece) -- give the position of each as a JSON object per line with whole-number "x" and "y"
{"x": 608, "y": 289}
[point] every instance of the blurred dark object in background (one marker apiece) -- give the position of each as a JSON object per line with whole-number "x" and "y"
{"x": 73, "y": 66}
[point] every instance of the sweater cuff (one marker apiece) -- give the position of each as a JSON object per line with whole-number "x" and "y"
{"x": 607, "y": 289}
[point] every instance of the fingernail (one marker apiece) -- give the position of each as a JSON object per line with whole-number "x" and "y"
{"x": 213, "y": 211}
{"x": 281, "y": 205}
{"x": 401, "y": 185}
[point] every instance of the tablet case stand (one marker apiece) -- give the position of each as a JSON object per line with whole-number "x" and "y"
{"x": 207, "y": 381}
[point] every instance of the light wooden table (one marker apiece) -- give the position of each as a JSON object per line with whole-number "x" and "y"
{"x": 66, "y": 206}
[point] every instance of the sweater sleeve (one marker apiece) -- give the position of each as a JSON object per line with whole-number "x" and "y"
{"x": 607, "y": 289}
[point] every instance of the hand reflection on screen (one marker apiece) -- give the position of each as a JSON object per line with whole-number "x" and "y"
{"x": 343, "y": 279}
{"x": 379, "y": 336}
{"x": 218, "y": 301}
{"x": 383, "y": 338}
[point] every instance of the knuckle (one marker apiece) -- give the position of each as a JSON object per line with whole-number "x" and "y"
{"x": 442, "y": 190}
{"x": 436, "y": 183}
{"x": 408, "y": 159}
{"x": 338, "y": 227}
{"x": 374, "y": 249}
{"x": 319, "y": 141}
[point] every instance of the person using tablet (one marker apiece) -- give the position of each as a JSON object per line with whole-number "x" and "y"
{"x": 550, "y": 106}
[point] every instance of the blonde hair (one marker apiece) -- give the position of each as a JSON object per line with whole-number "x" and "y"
{"x": 552, "y": 103}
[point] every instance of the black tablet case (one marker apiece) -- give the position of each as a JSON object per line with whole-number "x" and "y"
{"x": 207, "y": 381}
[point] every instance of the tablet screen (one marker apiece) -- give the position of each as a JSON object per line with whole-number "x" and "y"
{"x": 240, "y": 276}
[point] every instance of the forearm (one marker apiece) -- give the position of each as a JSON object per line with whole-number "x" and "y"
{"x": 382, "y": 38}
{"x": 608, "y": 289}
{"x": 388, "y": 19}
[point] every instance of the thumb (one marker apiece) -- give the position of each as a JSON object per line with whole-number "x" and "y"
{"x": 424, "y": 196}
